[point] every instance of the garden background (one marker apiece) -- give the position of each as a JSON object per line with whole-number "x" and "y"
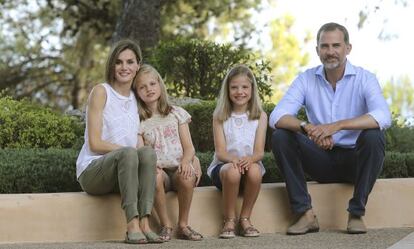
{"x": 52, "y": 52}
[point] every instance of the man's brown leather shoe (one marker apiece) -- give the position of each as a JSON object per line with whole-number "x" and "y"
{"x": 304, "y": 225}
{"x": 356, "y": 225}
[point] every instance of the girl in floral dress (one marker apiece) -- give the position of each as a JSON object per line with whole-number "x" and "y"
{"x": 165, "y": 128}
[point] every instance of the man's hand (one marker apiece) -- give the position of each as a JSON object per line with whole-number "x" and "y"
{"x": 326, "y": 143}
{"x": 318, "y": 133}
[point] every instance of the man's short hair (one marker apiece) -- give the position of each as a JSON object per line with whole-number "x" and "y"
{"x": 331, "y": 26}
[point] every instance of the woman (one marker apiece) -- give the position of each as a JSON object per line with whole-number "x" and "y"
{"x": 109, "y": 161}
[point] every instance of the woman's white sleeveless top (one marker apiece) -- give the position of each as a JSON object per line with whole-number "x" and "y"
{"x": 119, "y": 126}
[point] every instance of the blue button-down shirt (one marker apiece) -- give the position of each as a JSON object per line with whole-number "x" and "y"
{"x": 357, "y": 93}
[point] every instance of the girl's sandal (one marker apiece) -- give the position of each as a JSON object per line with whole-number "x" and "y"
{"x": 249, "y": 231}
{"x": 188, "y": 233}
{"x": 166, "y": 233}
{"x": 228, "y": 232}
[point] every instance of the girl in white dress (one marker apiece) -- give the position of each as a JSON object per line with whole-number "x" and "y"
{"x": 165, "y": 128}
{"x": 239, "y": 126}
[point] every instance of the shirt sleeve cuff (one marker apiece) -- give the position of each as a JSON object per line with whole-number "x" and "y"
{"x": 383, "y": 118}
{"x": 275, "y": 116}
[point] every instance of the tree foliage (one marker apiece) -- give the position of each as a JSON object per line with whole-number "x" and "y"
{"x": 53, "y": 51}
{"x": 285, "y": 56}
{"x": 209, "y": 19}
{"x": 400, "y": 94}
{"x": 195, "y": 68}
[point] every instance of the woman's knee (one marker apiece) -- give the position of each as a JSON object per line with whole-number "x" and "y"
{"x": 128, "y": 158}
{"x": 129, "y": 153}
{"x": 147, "y": 155}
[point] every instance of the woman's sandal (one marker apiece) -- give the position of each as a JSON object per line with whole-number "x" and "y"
{"x": 135, "y": 238}
{"x": 188, "y": 233}
{"x": 249, "y": 231}
{"x": 166, "y": 233}
{"x": 152, "y": 237}
{"x": 227, "y": 232}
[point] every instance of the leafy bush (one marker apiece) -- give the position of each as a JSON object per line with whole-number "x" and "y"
{"x": 54, "y": 170}
{"x": 38, "y": 171}
{"x": 395, "y": 165}
{"x": 409, "y": 160}
{"x": 196, "y": 68}
{"x": 26, "y": 125}
{"x": 400, "y": 138}
{"x": 201, "y": 125}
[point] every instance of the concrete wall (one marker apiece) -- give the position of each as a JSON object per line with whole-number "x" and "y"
{"x": 81, "y": 217}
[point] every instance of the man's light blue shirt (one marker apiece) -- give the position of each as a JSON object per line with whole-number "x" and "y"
{"x": 356, "y": 94}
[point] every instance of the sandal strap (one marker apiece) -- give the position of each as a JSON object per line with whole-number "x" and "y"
{"x": 227, "y": 230}
{"x": 195, "y": 232}
{"x": 251, "y": 229}
{"x": 245, "y": 219}
{"x": 232, "y": 220}
{"x": 166, "y": 231}
{"x": 190, "y": 234}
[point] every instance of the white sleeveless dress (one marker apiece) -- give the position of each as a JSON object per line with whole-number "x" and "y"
{"x": 240, "y": 134}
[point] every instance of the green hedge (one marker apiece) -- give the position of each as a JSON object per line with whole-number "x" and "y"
{"x": 27, "y": 125}
{"x": 38, "y": 170}
{"x": 53, "y": 170}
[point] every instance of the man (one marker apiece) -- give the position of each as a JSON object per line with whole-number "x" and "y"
{"x": 343, "y": 141}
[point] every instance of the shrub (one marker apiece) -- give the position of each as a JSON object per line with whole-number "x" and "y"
{"x": 201, "y": 125}
{"x": 409, "y": 161}
{"x": 54, "y": 170}
{"x": 38, "y": 170}
{"x": 196, "y": 68}
{"x": 395, "y": 165}
{"x": 400, "y": 138}
{"x": 27, "y": 125}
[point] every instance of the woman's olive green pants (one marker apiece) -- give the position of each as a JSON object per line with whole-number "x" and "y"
{"x": 127, "y": 171}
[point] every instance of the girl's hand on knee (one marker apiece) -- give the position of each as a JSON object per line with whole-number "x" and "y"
{"x": 186, "y": 170}
{"x": 235, "y": 163}
{"x": 245, "y": 163}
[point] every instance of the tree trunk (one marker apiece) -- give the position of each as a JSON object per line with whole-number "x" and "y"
{"x": 140, "y": 21}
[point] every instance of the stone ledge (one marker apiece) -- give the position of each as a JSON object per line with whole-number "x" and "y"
{"x": 64, "y": 217}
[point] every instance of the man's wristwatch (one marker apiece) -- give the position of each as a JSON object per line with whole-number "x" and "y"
{"x": 302, "y": 127}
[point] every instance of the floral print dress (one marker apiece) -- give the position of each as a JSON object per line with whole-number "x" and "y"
{"x": 161, "y": 133}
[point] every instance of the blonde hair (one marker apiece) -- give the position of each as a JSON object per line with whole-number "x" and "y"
{"x": 118, "y": 48}
{"x": 224, "y": 105}
{"x": 163, "y": 106}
